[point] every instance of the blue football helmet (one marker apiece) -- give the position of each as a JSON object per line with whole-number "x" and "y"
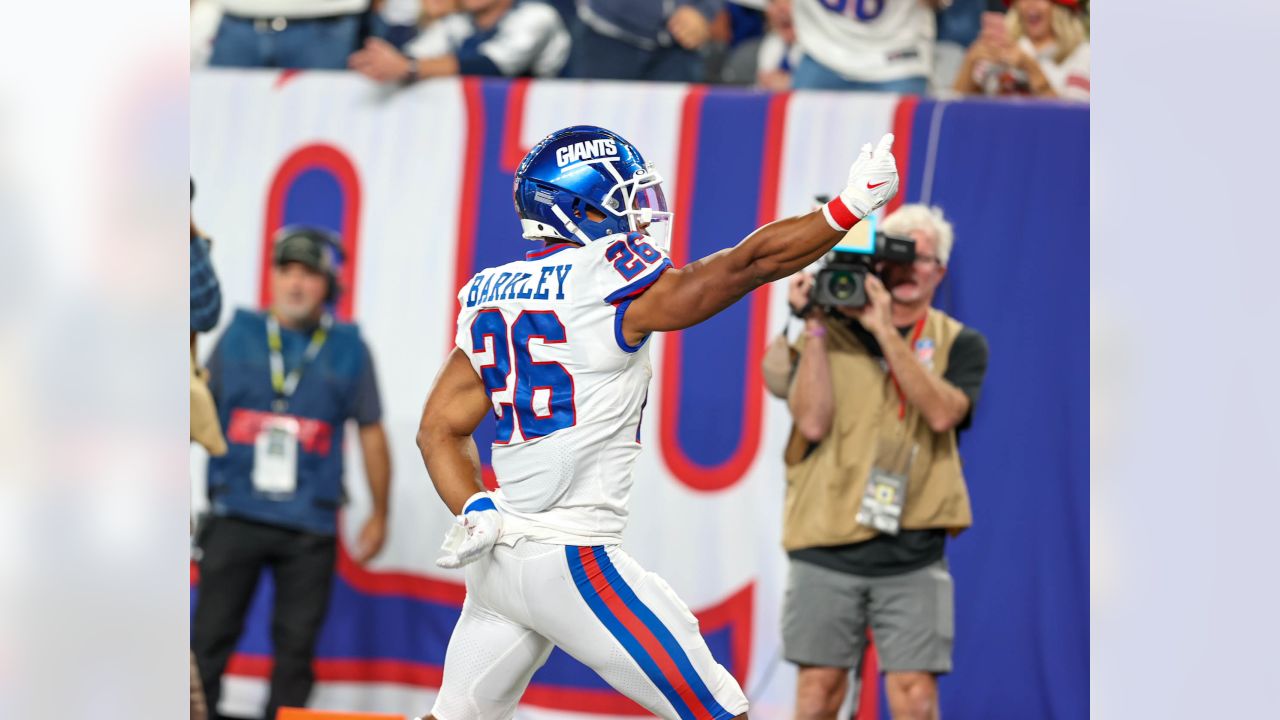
{"x": 587, "y": 167}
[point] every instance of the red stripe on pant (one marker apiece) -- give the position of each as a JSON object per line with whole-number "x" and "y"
{"x": 641, "y": 632}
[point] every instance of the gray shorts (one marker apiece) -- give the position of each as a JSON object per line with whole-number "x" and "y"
{"x": 827, "y": 612}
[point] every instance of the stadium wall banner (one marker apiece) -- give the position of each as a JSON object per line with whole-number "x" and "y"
{"x": 418, "y": 182}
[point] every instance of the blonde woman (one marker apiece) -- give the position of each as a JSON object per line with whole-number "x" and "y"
{"x": 1040, "y": 48}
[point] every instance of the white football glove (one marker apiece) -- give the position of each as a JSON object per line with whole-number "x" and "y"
{"x": 473, "y": 533}
{"x": 873, "y": 181}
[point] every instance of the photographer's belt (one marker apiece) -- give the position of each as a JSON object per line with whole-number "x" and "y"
{"x": 275, "y": 449}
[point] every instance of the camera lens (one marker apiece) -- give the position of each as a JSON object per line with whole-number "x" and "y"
{"x": 843, "y": 286}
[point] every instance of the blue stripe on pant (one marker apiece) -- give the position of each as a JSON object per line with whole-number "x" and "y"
{"x": 633, "y": 646}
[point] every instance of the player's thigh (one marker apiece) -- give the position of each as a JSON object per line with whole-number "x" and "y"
{"x": 631, "y": 628}
{"x": 913, "y": 619}
{"x": 487, "y": 665}
{"x": 824, "y": 617}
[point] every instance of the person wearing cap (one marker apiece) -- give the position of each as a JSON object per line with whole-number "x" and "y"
{"x": 878, "y": 396}
{"x": 1039, "y": 48}
{"x": 286, "y": 381}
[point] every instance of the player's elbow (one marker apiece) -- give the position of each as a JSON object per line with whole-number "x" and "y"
{"x": 429, "y": 434}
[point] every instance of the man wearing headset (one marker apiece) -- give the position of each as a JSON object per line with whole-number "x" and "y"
{"x": 285, "y": 381}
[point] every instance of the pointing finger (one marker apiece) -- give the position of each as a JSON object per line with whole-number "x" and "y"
{"x": 885, "y": 145}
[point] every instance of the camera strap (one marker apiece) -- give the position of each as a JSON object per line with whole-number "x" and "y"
{"x": 911, "y": 345}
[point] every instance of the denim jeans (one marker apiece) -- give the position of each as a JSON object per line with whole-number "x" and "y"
{"x": 323, "y": 43}
{"x": 812, "y": 75}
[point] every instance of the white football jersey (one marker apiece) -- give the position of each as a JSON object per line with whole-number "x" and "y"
{"x": 868, "y": 40}
{"x": 545, "y": 336}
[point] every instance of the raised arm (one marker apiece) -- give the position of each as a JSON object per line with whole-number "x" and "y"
{"x": 687, "y": 296}
{"x": 456, "y": 405}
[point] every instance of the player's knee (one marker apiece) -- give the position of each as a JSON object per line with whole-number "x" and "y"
{"x": 819, "y": 692}
{"x": 912, "y": 695}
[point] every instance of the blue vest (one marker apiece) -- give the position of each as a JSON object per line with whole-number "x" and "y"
{"x": 322, "y": 402}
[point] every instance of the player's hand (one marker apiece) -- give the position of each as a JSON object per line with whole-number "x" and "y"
{"x": 379, "y": 60}
{"x": 876, "y": 315}
{"x": 372, "y": 536}
{"x": 473, "y": 533}
{"x": 688, "y": 27}
{"x": 873, "y": 181}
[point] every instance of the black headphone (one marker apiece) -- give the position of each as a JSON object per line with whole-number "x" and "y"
{"x": 318, "y": 248}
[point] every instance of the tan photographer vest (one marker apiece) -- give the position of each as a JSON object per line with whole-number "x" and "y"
{"x": 825, "y": 487}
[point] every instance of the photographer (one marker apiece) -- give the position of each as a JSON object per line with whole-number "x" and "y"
{"x": 874, "y": 483}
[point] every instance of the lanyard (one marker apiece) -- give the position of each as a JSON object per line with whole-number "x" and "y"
{"x": 284, "y": 386}
{"x": 902, "y": 397}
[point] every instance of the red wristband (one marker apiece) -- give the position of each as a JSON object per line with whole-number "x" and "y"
{"x": 839, "y": 216}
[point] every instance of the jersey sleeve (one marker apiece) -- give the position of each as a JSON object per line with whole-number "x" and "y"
{"x": 530, "y": 40}
{"x": 630, "y": 265}
{"x": 433, "y": 41}
{"x": 366, "y": 402}
{"x": 967, "y": 367}
{"x": 462, "y": 333}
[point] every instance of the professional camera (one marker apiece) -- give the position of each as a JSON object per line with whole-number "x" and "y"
{"x": 842, "y": 280}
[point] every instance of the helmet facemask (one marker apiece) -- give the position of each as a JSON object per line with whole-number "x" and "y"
{"x": 641, "y": 201}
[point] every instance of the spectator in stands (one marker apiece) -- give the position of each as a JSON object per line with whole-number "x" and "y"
{"x": 767, "y": 61}
{"x": 736, "y": 30}
{"x": 305, "y": 34}
{"x": 779, "y": 53}
{"x": 285, "y": 382}
{"x": 878, "y": 396}
{"x": 489, "y": 37}
{"x": 958, "y": 26}
{"x": 1040, "y": 48}
{"x": 642, "y": 39}
{"x": 854, "y": 45}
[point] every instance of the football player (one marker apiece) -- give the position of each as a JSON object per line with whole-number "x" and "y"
{"x": 555, "y": 346}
